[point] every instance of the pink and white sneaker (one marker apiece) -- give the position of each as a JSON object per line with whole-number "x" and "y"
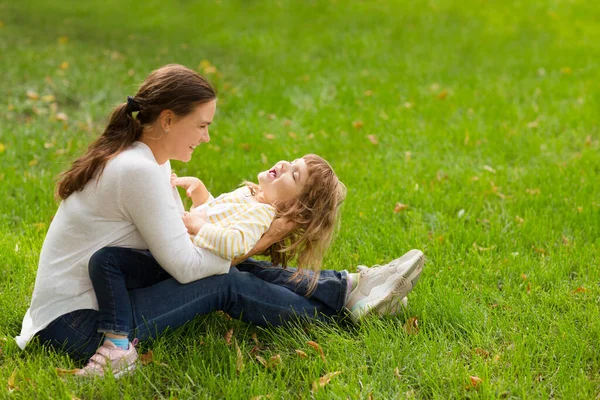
{"x": 111, "y": 359}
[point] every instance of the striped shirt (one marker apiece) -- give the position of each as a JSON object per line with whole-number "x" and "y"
{"x": 235, "y": 222}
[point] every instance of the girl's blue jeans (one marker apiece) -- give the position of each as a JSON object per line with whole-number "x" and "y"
{"x": 253, "y": 291}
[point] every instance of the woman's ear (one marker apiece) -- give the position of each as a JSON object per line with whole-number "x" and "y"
{"x": 166, "y": 118}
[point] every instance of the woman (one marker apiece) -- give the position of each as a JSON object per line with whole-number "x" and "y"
{"x": 119, "y": 211}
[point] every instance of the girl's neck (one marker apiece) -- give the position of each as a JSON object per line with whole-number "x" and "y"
{"x": 260, "y": 197}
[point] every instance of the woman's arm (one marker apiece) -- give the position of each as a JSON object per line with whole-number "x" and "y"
{"x": 146, "y": 199}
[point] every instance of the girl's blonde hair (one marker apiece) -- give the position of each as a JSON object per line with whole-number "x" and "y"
{"x": 316, "y": 216}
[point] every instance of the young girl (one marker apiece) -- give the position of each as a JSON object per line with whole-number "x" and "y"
{"x": 305, "y": 191}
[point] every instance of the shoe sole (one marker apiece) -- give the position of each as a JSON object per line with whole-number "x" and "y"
{"x": 396, "y": 288}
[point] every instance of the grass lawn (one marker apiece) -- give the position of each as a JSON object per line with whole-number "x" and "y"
{"x": 480, "y": 116}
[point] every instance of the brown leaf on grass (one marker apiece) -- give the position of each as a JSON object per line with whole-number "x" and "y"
{"x": 565, "y": 240}
{"x": 477, "y": 247}
{"x": 11, "y": 381}
{"x": 400, "y": 207}
{"x": 318, "y": 348}
{"x": 482, "y": 353}
{"x": 528, "y": 288}
{"x": 254, "y": 350}
{"x": 539, "y": 250}
{"x": 147, "y": 357}
{"x": 373, "y": 139}
{"x": 64, "y": 65}
{"x": 62, "y": 371}
{"x": 357, "y": 124}
{"x": 532, "y": 192}
{"x": 489, "y": 169}
{"x": 566, "y": 70}
{"x": 407, "y": 156}
{"x": 524, "y": 277}
{"x": 397, "y": 373}
{"x": 301, "y": 353}
{"x": 274, "y": 360}
{"x": 324, "y": 380}
{"x": 228, "y": 336}
{"x": 519, "y": 220}
{"x": 475, "y": 381}
{"x": 224, "y": 315}
{"x": 255, "y": 339}
{"x": 443, "y": 94}
{"x": 32, "y": 95}
{"x": 287, "y": 122}
{"x": 245, "y": 146}
{"x": 368, "y": 93}
{"x": 262, "y": 361}
{"x": 588, "y": 140}
{"x": 61, "y": 117}
{"x": 269, "y": 136}
{"x": 580, "y": 289}
{"x": 292, "y": 135}
{"x": 411, "y": 326}
{"x": 239, "y": 359}
{"x": 73, "y": 397}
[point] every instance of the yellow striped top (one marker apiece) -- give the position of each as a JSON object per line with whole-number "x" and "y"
{"x": 235, "y": 222}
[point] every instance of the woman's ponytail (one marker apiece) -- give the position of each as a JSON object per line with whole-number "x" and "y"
{"x": 122, "y": 130}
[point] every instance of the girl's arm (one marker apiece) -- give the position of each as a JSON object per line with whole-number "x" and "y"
{"x": 278, "y": 230}
{"x": 194, "y": 188}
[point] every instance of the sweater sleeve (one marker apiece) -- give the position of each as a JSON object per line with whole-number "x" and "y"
{"x": 146, "y": 199}
{"x": 238, "y": 238}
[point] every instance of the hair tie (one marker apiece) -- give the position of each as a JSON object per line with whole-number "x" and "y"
{"x": 132, "y": 105}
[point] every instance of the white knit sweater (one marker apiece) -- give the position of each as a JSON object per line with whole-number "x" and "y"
{"x": 131, "y": 205}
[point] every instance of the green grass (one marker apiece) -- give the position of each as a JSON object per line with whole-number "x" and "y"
{"x": 490, "y": 107}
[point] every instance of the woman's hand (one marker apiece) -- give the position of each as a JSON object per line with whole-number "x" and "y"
{"x": 194, "y": 221}
{"x": 279, "y": 229}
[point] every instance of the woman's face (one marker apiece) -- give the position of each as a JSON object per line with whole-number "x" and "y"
{"x": 187, "y": 132}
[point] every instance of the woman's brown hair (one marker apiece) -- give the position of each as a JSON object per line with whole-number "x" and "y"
{"x": 172, "y": 87}
{"x": 316, "y": 216}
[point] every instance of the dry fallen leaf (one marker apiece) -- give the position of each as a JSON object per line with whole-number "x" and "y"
{"x": 262, "y": 361}
{"x": 400, "y": 207}
{"x": 224, "y": 315}
{"x": 533, "y": 191}
{"x": 228, "y": 336}
{"x": 411, "y": 326}
{"x": 373, "y": 139}
{"x": 397, "y": 373}
{"x": 489, "y": 169}
{"x": 255, "y": 339}
{"x": 482, "y": 353}
{"x": 147, "y": 357}
{"x": 324, "y": 380}
{"x": 61, "y": 117}
{"x": 64, "y": 65}
{"x": 239, "y": 361}
{"x": 580, "y": 289}
{"x": 32, "y": 95}
{"x": 357, "y": 124}
{"x": 301, "y": 353}
{"x": 475, "y": 381}
{"x": 274, "y": 361}
{"x": 318, "y": 348}
{"x": 368, "y": 93}
{"x": 443, "y": 94}
{"x": 62, "y": 371}
{"x": 475, "y": 246}
{"x": 11, "y": 381}
{"x": 566, "y": 70}
{"x": 269, "y": 136}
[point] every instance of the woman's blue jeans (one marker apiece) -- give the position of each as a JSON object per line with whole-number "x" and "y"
{"x": 253, "y": 291}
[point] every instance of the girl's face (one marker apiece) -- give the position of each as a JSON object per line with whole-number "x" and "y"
{"x": 187, "y": 132}
{"x": 284, "y": 182}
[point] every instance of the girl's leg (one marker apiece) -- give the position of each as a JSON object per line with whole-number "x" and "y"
{"x": 331, "y": 289}
{"x": 113, "y": 273}
{"x": 169, "y": 304}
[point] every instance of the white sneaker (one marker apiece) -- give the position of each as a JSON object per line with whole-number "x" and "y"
{"x": 392, "y": 308}
{"x": 380, "y": 288}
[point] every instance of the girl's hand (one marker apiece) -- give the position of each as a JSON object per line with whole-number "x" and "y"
{"x": 279, "y": 229}
{"x": 194, "y": 221}
{"x": 189, "y": 183}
